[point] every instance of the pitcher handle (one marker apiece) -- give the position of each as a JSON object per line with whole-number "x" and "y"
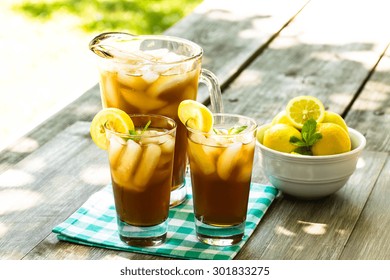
{"x": 212, "y": 84}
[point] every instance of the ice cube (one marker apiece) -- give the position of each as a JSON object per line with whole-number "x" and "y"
{"x": 157, "y": 54}
{"x": 150, "y": 137}
{"x": 228, "y": 160}
{"x": 164, "y": 84}
{"x": 127, "y": 163}
{"x": 245, "y": 173}
{"x": 245, "y": 138}
{"x": 109, "y": 89}
{"x": 200, "y": 159}
{"x": 147, "y": 166}
{"x": 198, "y": 138}
{"x": 142, "y": 101}
{"x": 140, "y": 56}
{"x": 167, "y": 143}
{"x": 221, "y": 141}
{"x": 133, "y": 82}
{"x": 245, "y": 162}
{"x": 171, "y": 57}
{"x": 149, "y": 75}
{"x": 115, "y": 149}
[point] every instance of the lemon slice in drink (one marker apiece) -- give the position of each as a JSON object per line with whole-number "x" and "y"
{"x": 195, "y": 115}
{"x": 302, "y": 108}
{"x": 112, "y": 118}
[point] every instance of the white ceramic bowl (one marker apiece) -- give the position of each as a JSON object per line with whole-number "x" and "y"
{"x": 310, "y": 177}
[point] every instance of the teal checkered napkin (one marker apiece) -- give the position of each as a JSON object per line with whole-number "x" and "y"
{"x": 94, "y": 224}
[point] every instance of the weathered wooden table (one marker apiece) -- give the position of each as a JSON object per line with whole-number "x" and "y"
{"x": 264, "y": 53}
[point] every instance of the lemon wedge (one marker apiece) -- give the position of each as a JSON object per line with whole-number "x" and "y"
{"x": 195, "y": 115}
{"x": 113, "y": 119}
{"x": 302, "y": 108}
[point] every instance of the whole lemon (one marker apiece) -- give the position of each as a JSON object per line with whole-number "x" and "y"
{"x": 281, "y": 117}
{"x": 335, "y": 140}
{"x": 261, "y": 131}
{"x": 332, "y": 117}
{"x": 277, "y": 137}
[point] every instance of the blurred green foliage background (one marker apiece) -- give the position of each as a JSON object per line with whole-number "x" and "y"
{"x": 134, "y": 16}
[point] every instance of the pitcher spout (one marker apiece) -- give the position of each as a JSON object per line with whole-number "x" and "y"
{"x": 107, "y": 45}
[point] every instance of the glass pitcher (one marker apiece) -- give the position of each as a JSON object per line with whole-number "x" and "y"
{"x": 152, "y": 74}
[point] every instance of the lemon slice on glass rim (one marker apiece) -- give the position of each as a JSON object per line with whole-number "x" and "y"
{"x": 195, "y": 115}
{"x": 111, "y": 118}
{"x": 302, "y": 108}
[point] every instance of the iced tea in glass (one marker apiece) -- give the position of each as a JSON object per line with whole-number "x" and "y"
{"x": 141, "y": 165}
{"x": 153, "y": 74}
{"x": 221, "y": 169}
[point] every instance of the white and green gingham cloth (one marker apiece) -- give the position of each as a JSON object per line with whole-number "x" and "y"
{"x": 94, "y": 224}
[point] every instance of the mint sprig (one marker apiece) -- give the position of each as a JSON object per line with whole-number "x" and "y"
{"x": 231, "y": 131}
{"x": 133, "y": 132}
{"x": 309, "y": 138}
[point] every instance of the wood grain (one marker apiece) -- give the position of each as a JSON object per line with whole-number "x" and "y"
{"x": 295, "y": 229}
{"x": 370, "y": 113}
{"x": 370, "y": 239}
{"x": 309, "y": 57}
{"x": 231, "y": 35}
{"x": 46, "y": 187}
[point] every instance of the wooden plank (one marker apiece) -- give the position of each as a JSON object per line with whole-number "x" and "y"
{"x": 46, "y": 187}
{"x": 53, "y": 249}
{"x": 231, "y": 35}
{"x": 82, "y": 109}
{"x": 311, "y": 57}
{"x": 370, "y": 113}
{"x": 371, "y": 237}
{"x": 294, "y": 229}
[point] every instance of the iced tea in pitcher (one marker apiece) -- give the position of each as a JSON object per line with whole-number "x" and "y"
{"x": 153, "y": 74}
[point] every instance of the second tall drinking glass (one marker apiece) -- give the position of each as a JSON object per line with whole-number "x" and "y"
{"x": 152, "y": 75}
{"x": 221, "y": 168}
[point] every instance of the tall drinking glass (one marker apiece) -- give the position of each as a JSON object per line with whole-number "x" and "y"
{"x": 153, "y": 74}
{"x": 221, "y": 168}
{"x": 141, "y": 166}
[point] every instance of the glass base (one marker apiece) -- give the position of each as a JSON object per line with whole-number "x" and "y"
{"x": 219, "y": 236}
{"x": 142, "y": 236}
{"x": 178, "y": 196}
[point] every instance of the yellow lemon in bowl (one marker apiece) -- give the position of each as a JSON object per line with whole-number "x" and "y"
{"x": 335, "y": 140}
{"x": 281, "y": 117}
{"x": 302, "y": 108}
{"x": 277, "y": 137}
{"x": 332, "y": 117}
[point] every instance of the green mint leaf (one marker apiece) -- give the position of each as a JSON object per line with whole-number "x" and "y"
{"x": 133, "y": 132}
{"x": 217, "y": 131}
{"x": 236, "y": 130}
{"x": 308, "y": 129}
{"x": 314, "y": 138}
{"x": 146, "y": 126}
{"x": 297, "y": 142}
{"x": 303, "y": 151}
{"x": 309, "y": 138}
